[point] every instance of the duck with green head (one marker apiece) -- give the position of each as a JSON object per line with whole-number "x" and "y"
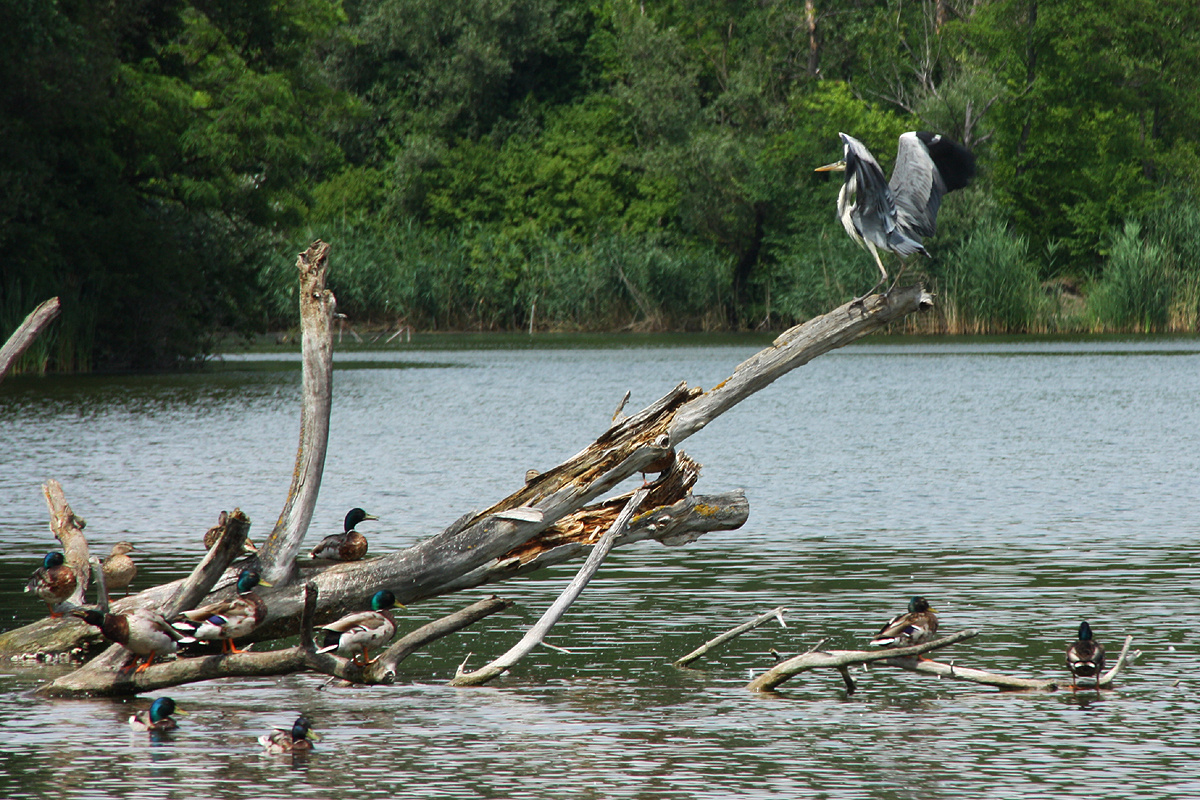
{"x": 53, "y": 582}
{"x": 227, "y": 620}
{"x": 157, "y": 717}
{"x": 350, "y": 545}
{"x": 142, "y": 632}
{"x": 295, "y": 740}
{"x": 917, "y": 626}
{"x": 1085, "y": 658}
{"x": 353, "y": 635}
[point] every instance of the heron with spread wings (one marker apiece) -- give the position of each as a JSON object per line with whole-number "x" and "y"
{"x": 897, "y": 214}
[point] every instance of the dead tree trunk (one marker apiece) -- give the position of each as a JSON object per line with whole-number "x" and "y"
{"x": 26, "y": 332}
{"x": 553, "y": 518}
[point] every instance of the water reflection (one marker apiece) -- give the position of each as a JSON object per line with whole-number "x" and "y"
{"x": 1020, "y": 488}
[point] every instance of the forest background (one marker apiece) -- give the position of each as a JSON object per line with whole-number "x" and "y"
{"x": 581, "y": 164}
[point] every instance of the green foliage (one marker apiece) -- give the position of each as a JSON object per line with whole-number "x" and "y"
{"x": 1135, "y": 293}
{"x": 991, "y": 282}
{"x": 477, "y": 163}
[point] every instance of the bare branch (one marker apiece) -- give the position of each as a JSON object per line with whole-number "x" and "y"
{"x": 712, "y": 644}
{"x": 27, "y": 332}
{"x": 317, "y": 305}
{"x": 559, "y": 607}
{"x": 845, "y": 658}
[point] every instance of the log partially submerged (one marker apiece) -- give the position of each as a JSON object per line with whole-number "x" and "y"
{"x": 906, "y": 658}
{"x": 554, "y": 517}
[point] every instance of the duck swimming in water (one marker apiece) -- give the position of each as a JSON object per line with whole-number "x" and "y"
{"x": 917, "y": 626}
{"x": 294, "y": 741}
{"x": 350, "y": 545}
{"x": 228, "y": 619}
{"x": 157, "y": 717}
{"x": 53, "y": 582}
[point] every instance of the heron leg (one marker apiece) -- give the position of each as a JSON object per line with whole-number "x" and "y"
{"x": 858, "y": 301}
{"x": 903, "y": 265}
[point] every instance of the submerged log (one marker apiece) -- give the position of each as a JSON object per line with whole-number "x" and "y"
{"x": 552, "y": 518}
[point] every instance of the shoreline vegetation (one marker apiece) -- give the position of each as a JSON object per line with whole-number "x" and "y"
{"x": 559, "y": 165}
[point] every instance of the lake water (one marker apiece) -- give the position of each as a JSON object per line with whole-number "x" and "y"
{"x": 1021, "y": 486}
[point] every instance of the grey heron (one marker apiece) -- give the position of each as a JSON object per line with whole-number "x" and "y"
{"x": 897, "y": 214}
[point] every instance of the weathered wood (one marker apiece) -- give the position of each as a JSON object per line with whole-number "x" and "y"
{"x": 277, "y": 559}
{"x": 973, "y": 675}
{"x": 712, "y": 644}
{"x": 836, "y": 659}
{"x": 554, "y": 613}
{"x": 68, "y": 529}
{"x": 486, "y": 538}
{"x": 26, "y": 333}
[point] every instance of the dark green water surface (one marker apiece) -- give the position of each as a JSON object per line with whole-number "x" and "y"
{"x": 1020, "y": 486}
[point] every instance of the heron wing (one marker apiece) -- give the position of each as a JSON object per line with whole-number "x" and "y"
{"x": 917, "y": 187}
{"x": 874, "y": 211}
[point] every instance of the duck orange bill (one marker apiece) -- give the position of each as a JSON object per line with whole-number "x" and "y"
{"x": 837, "y": 166}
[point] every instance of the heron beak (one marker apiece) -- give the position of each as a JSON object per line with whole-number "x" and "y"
{"x": 837, "y": 166}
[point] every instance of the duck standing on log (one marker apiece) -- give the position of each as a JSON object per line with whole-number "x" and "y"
{"x": 1085, "y": 658}
{"x": 142, "y": 632}
{"x": 350, "y": 545}
{"x": 917, "y": 626}
{"x": 353, "y": 634}
{"x": 53, "y": 582}
{"x": 119, "y": 569}
{"x": 228, "y": 619}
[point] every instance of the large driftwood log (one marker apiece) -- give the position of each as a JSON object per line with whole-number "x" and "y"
{"x": 277, "y": 559}
{"x": 515, "y": 528}
{"x": 26, "y": 333}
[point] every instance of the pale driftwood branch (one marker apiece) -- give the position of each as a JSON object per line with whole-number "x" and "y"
{"x": 68, "y": 529}
{"x": 711, "y": 644}
{"x": 554, "y": 613}
{"x": 796, "y": 347}
{"x": 973, "y": 675}
{"x": 836, "y": 659}
{"x": 1108, "y": 677}
{"x": 26, "y": 333}
{"x": 277, "y": 558}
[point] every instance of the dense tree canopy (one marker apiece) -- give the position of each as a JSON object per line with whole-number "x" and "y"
{"x": 587, "y": 164}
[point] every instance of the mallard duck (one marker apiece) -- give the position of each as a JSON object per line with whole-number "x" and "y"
{"x": 54, "y": 582}
{"x": 1085, "y": 658}
{"x": 228, "y": 619}
{"x": 143, "y": 632}
{"x": 157, "y": 717}
{"x": 119, "y": 569}
{"x": 915, "y": 627}
{"x": 347, "y": 546}
{"x": 294, "y": 741}
{"x": 353, "y": 634}
{"x": 212, "y": 534}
